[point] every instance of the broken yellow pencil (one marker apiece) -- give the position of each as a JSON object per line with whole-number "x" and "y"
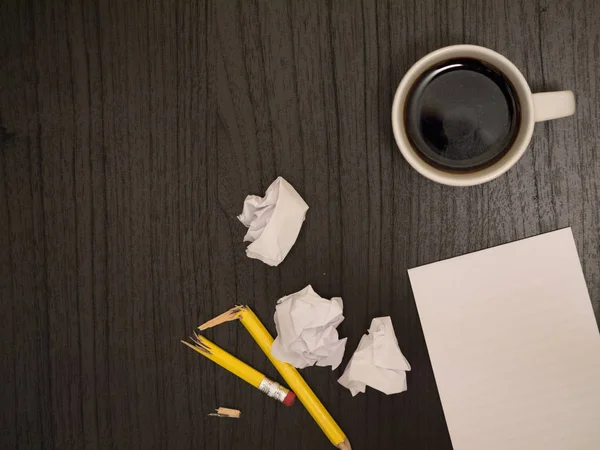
{"x": 241, "y": 369}
{"x": 294, "y": 380}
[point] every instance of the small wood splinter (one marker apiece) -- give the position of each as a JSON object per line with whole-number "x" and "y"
{"x": 226, "y": 412}
{"x": 227, "y": 316}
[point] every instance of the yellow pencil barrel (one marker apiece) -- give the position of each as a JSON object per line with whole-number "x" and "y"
{"x": 231, "y": 363}
{"x": 294, "y": 380}
{"x": 252, "y": 376}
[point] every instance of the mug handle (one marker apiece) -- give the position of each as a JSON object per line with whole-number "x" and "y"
{"x": 553, "y": 105}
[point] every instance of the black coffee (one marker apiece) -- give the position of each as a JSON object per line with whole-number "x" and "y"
{"x": 462, "y": 115}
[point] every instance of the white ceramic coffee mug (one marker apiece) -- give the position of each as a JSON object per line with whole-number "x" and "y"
{"x": 533, "y": 108}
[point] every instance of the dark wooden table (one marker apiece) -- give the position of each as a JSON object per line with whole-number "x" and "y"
{"x": 131, "y": 133}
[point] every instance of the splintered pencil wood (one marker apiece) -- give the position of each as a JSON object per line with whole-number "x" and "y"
{"x": 227, "y": 316}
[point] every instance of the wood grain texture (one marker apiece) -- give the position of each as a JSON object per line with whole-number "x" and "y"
{"x": 130, "y": 134}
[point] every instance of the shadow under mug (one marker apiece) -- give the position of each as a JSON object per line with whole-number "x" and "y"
{"x": 533, "y": 108}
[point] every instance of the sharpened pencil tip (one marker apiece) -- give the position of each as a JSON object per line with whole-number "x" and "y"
{"x": 344, "y": 445}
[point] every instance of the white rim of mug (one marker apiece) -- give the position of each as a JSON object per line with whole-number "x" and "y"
{"x": 518, "y": 147}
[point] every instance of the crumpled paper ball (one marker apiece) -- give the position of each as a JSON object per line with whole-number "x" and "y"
{"x": 306, "y": 330}
{"x": 274, "y": 222}
{"x": 377, "y": 362}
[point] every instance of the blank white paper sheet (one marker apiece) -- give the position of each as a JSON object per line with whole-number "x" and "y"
{"x": 514, "y": 345}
